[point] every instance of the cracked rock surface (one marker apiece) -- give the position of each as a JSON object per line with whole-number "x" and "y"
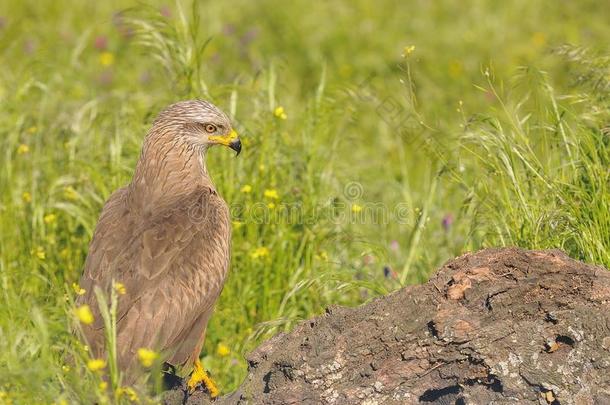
{"x": 497, "y": 326}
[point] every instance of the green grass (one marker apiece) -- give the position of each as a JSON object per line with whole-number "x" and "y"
{"x": 490, "y": 132}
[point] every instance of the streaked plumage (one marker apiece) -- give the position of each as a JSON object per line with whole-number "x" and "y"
{"x": 166, "y": 238}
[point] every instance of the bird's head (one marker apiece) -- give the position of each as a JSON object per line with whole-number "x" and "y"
{"x": 199, "y": 123}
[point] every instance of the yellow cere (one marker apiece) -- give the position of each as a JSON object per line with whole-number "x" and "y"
{"x": 224, "y": 139}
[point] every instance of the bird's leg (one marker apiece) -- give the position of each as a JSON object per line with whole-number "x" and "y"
{"x": 199, "y": 375}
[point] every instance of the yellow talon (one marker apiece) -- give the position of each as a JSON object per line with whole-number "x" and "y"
{"x": 199, "y": 375}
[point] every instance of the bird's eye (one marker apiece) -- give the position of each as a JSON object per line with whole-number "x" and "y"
{"x": 210, "y": 128}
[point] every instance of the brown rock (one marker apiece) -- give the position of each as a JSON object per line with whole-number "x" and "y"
{"x": 498, "y": 326}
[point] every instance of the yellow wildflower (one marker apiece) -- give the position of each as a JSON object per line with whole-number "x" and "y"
{"x": 120, "y": 288}
{"x": 408, "y": 50}
{"x": 70, "y": 193}
{"x": 271, "y": 205}
{"x": 50, "y": 218}
{"x": 237, "y": 224}
{"x": 129, "y": 392}
{"x": 455, "y": 68}
{"x": 538, "y": 39}
{"x": 77, "y": 289}
{"x": 96, "y": 364}
{"x": 132, "y": 395}
{"x": 65, "y": 368}
{"x": 345, "y": 70}
{"x": 5, "y": 398}
{"x": 323, "y": 256}
{"x": 280, "y": 113}
{"x": 106, "y": 58}
{"x": 259, "y": 252}
{"x": 103, "y": 385}
{"x": 356, "y": 208}
{"x": 84, "y": 314}
{"x": 32, "y": 129}
{"x": 261, "y": 167}
{"x": 23, "y": 149}
{"x": 223, "y": 350}
{"x": 26, "y": 197}
{"x": 246, "y": 189}
{"x": 147, "y": 357}
{"x": 39, "y": 253}
{"x": 272, "y": 194}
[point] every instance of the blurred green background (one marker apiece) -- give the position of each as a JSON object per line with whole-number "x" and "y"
{"x": 380, "y": 139}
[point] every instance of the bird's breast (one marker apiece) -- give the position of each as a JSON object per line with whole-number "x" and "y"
{"x": 206, "y": 260}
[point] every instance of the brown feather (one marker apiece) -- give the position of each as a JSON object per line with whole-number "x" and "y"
{"x": 166, "y": 237}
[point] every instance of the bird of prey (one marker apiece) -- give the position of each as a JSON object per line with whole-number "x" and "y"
{"x": 165, "y": 237}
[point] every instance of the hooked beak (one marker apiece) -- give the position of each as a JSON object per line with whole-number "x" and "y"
{"x": 231, "y": 140}
{"x": 236, "y": 146}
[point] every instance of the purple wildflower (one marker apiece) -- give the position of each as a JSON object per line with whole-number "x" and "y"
{"x": 100, "y": 43}
{"x": 165, "y": 11}
{"x": 447, "y": 221}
